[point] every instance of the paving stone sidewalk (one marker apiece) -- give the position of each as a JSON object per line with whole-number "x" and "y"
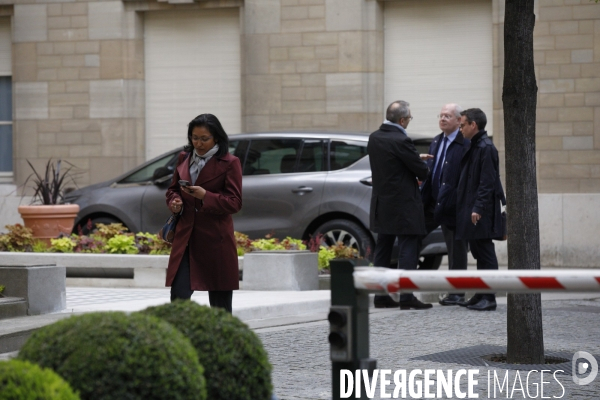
{"x": 300, "y": 353}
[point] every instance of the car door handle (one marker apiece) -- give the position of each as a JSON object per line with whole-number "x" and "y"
{"x": 302, "y": 189}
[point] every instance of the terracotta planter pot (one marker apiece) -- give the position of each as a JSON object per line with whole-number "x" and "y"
{"x": 49, "y": 221}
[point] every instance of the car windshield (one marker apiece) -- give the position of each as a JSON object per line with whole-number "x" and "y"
{"x": 146, "y": 173}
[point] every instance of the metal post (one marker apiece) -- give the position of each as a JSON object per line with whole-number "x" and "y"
{"x": 343, "y": 293}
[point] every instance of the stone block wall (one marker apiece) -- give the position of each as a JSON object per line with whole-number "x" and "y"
{"x": 567, "y": 57}
{"x": 78, "y": 87}
{"x": 313, "y": 65}
{"x": 567, "y": 65}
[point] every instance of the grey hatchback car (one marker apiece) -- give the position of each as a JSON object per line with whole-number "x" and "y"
{"x": 294, "y": 184}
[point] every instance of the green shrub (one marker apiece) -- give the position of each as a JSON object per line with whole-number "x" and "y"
{"x": 115, "y": 356}
{"x": 326, "y": 254}
{"x": 235, "y": 362}
{"x": 149, "y": 243}
{"x": 121, "y": 244}
{"x": 18, "y": 238}
{"x": 62, "y": 245}
{"x": 20, "y": 380}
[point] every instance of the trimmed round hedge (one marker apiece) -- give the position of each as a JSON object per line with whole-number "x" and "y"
{"x": 115, "y": 356}
{"x": 235, "y": 363}
{"x": 21, "y": 380}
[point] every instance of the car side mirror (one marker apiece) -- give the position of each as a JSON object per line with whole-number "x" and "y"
{"x": 161, "y": 175}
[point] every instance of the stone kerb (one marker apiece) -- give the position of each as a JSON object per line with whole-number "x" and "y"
{"x": 109, "y": 270}
{"x": 281, "y": 270}
{"x": 42, "y": 286}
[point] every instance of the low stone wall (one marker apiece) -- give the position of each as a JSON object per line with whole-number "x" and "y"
{"x": 42, "y": 286}
{"x": 100, "y": 270}
{"x": 107, "y": 270}
{"x": 281, "y": 270}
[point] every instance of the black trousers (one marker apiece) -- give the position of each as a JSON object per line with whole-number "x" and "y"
{"x": 181, "y": 287}
{"x": 484, "y": 252}
{"x": 408, "y": 255}
{"x": 457, "y": 249}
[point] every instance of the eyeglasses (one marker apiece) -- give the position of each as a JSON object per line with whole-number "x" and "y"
{"x": 204, "y": 139}
{"x": 410, "y": 118}
{"x": 445, "y": 116}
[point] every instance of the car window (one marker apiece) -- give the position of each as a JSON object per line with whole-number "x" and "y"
{"x": 345, "y": 153}
{"x": 146, "y": 173}
{"x": 422, "y": 145}
{"x": 272, "y": 156}
{"x": 312, "y": 156}
{"x": 239, "y": 148}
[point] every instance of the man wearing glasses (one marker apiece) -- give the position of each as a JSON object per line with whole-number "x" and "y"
{"x": 439, "y": 190}
{"x": 396, "y": 206}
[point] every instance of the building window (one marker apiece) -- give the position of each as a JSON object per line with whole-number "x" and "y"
{"x": 6, "y": 123}
{"x": 6, "y": 147}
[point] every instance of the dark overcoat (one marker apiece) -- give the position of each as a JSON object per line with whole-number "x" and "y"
{"x": 445, "y": 205}
{"x": 478, "y": 191}
{"x": 206, "y": 226}
{"x": 396, "y": 205}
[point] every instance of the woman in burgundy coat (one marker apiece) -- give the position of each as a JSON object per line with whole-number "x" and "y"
{"x": 204, "y": 255}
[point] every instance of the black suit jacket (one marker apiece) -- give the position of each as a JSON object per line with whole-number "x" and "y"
{"x": 445, "y": 204}
{"x": 396, "y": 205}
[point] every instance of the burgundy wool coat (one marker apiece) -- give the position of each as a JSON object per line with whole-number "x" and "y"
{"x": 207, "y": 226}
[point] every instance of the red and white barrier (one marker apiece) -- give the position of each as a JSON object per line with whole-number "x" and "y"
{"x": 483, "y": 281}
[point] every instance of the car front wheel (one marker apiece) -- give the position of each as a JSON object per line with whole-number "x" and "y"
{"x": 348, "y": 233}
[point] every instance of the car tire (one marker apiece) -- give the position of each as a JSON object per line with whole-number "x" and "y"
{"x": 431, "y": 262}
{"x": 98, "y": 220}
{"x": 349, "y": 233}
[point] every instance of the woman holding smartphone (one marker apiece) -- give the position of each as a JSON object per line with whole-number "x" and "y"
{"x": 207, "y": 190}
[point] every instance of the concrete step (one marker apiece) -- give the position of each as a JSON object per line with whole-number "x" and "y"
{"x": 15, "y": 331}
{"x": 11, "y": 307}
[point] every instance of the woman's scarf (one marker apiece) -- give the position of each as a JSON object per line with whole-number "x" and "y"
{"x": 198, "y": 162}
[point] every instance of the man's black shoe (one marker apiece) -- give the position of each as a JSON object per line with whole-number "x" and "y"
{"x": 414, "y": 303}
{"x": 385, "y": 302}
{"x": 472, "y": 301}
{"x": 452, "y": 300}
{"x": 483, "y": 305}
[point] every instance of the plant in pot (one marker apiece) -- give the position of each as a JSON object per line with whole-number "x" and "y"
{"x": 46, "y": 217}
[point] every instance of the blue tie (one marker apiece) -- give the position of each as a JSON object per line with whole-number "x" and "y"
{"x": 438, "y": 171}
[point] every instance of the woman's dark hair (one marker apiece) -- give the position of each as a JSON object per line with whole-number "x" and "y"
{"x": 212, "y": 124}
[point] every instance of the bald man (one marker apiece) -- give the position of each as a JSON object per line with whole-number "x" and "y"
{"x": 439, "y": 190}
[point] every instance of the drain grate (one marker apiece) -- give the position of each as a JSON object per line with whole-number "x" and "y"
{"x": 474, "y": 355}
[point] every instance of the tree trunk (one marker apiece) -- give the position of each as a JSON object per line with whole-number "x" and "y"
{"x": 525, "y": 343}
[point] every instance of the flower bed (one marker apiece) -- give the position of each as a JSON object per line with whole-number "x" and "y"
{"x": 117, "y": 268}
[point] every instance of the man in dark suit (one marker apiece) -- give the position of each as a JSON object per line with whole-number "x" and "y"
{"x": 478, "y": 217}
{"x": 396, "y": 206}
{"x": 439, "y": 190}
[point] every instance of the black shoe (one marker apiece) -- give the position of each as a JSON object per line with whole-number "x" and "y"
{"x": 483, "y": 305}
{"x": 472, "y": 301}
{"x": 385, "y": 302}
{"x": 452, "y": 300}
{"x": 414, "y": 303}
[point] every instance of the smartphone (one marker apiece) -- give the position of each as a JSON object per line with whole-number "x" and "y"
{"x": 184, "y": 183}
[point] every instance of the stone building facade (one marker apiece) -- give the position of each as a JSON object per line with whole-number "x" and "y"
{"x": 83, "y": 87}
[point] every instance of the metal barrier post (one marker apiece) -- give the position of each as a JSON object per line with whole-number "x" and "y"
{"x": 344, "y": 296}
